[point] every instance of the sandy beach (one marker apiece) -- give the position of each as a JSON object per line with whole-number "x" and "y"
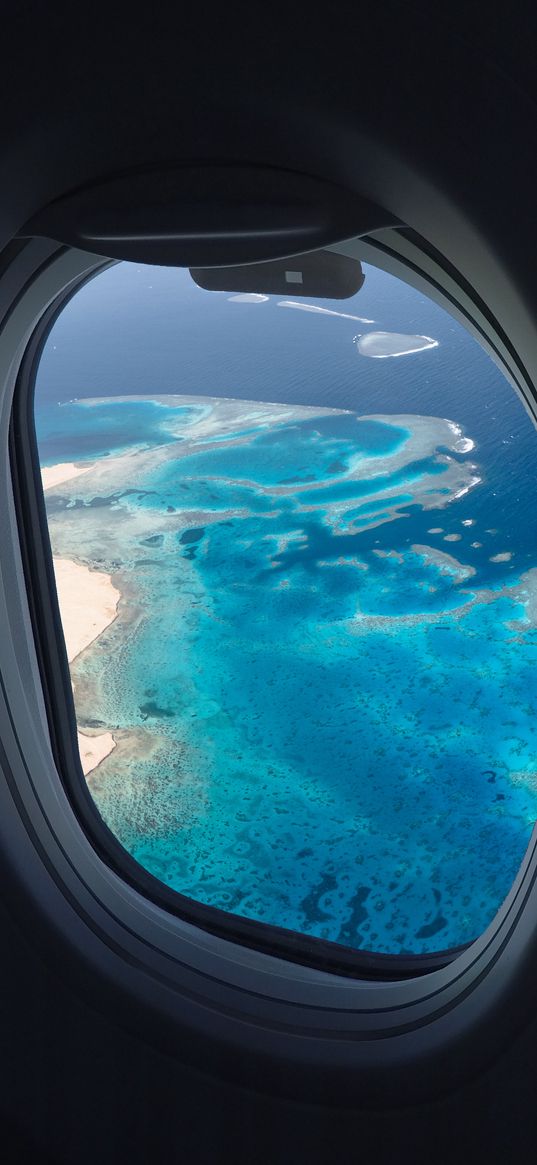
{"x": 56, "y": 474}
{"x": 88, "y": 603}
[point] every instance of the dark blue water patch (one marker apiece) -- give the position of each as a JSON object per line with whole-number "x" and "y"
{"x": 316, "y": 573}
{"x": 372, "y": 507}
{"x": 372, "y": 438}
{"x": 215, "y": 495}
{"x": 190, "y": 539}
{"x": 195, "y": 534}
{"x": 309, "y": 477}
{"x": 71, "y": 431}
{"x": 346, "y": 490}
{"x": 319, "y": 448}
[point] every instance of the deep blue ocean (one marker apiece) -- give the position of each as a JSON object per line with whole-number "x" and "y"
{"x": 371, "y": 782}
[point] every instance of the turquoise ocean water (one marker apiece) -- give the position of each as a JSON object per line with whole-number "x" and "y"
{"x": 322, "y": 676}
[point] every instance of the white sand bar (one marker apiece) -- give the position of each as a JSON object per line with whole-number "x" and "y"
{"x": 93, "y": 749}
{"x": 88, "y": 603}
{"x": 323, "y": 311}
{"x": 380, "y": 345}
{"x": 56, "y": 474}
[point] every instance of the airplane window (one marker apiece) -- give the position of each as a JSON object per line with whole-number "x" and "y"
{"x": 294, "y": 547}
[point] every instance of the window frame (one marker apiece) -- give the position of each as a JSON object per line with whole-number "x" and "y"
{"x": 343, "y": 1034}
{"x": 61, "y": 715}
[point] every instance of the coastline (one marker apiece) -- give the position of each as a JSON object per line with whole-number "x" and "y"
{"x": 88, "y": 603}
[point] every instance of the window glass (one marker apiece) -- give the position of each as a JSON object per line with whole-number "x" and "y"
{"x": 294, "y": 544}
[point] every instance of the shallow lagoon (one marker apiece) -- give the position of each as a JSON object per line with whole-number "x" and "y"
{"x": 323, "y": 709}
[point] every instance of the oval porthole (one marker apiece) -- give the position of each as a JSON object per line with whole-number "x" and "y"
{"x": 294, "y": 552}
